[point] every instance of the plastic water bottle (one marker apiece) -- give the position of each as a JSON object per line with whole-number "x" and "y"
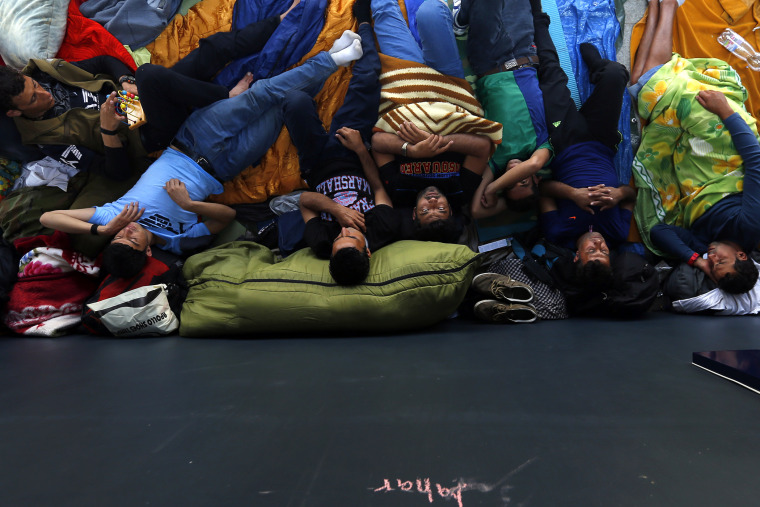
{"x": 740, "y": 47}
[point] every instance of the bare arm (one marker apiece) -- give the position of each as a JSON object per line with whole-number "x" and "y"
{"x": 352, "y": 140}
{"x": 523, "y": 170}
{"x": 75, "y": 221}
{"x": 314, "y": 203}
{"x": 477, "y": 209}
{"x": 218, "y": 216}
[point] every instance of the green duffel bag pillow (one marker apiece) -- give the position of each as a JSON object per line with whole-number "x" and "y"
{"x": 239, "y": 289}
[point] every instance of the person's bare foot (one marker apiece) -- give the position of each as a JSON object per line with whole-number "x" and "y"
{"x": 242, "y": 85}
{"x": 292, "y": 6}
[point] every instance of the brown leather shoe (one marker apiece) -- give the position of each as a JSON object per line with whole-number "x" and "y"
{"x": 502, "y": 287}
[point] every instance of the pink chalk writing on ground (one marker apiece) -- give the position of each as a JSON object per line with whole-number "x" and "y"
{"x": 423, "y": 486}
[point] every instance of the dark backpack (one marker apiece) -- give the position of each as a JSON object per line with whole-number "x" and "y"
{"x": 634, "y": 288}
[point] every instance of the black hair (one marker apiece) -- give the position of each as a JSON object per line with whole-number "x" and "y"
{"x": 526, "y": 203}
{"x": 594, "y": 275}
{"x": 349, "y": 266}
{"x": 443, "y": 231}
{"x": 742, "y": 280}
{"x": 123, "y": 261}
{"x": 11, "y": 85}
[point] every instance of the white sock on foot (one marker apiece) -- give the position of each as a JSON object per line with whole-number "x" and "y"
{"x": 345, "y": 40}
{"x": 344, "y": 57}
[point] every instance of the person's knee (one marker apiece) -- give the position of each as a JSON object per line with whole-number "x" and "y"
{"x": 431, "y": 12}
{"x": 297, "y": 102}
{"x": 148, "y": 75}
{"x": 613, "y": 74}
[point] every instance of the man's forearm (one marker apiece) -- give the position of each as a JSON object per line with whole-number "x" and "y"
{"x": 557, "y": 190}
{"x": 383, "y": 142}
{"x": 667, "y": 238}
{"x": 318, "y": 203}
{"x": 370, "y": 170}
{"x": 523, "y": 170}
{"x": 212, "y": 210}
{"x": 470, "y": 144}
{"x": 62, "y": 220}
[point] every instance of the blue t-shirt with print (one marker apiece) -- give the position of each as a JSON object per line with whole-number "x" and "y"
{"x": 179, "y": 228}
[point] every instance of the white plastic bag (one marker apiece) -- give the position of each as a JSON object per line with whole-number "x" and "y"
{"x": 143, "y": 311}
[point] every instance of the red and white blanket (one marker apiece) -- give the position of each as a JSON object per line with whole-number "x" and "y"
{"x": 53, "y": 283}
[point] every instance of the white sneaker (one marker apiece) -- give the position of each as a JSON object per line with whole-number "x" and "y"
{"x": 459, "y": 30}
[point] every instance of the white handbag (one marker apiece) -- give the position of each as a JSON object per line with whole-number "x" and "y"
{"x": 143, "y": 311}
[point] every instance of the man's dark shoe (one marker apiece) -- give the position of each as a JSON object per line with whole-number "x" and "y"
{"x": 490, "y": 310}
{"x": 502, "y": 287}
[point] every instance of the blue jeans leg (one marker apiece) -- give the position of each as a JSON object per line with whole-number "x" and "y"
{"x": 500, "y": 30}
{"x": 233, "y": 133}
{"x": 439, "y": 46}
{"x": 393, "y": 33}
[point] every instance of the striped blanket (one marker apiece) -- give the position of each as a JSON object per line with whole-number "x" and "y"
{"x": 434, "y": 102}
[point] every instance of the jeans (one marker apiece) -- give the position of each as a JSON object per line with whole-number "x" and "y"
{"x": 234, "y": 133}
{"x": 434, "y": 24}
{"x": 358, "y": 111}
{"x": 597, "y": 119}
{"x": 500, "y": 30}
{"x": 167, "y": 95}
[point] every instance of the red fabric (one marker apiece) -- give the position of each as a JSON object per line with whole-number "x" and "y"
{"x": 86, "y": 38}
{"x": 36, "y": 299}
{"x": 44, "y": 294}
{"x": 56, "y": 240}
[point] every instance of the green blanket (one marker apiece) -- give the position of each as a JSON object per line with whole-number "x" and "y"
{"x": 687, "y": 161}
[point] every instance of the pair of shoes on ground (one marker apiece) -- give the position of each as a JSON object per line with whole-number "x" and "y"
{"x": 511, "y": 303}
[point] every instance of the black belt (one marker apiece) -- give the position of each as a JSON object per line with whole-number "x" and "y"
{"x": 513, "y": 64}
{"x": 202, "y": 161}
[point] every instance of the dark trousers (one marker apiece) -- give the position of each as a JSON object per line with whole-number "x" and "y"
{"x": 597, "y": 119}
{"x": 500, "y": 30}
{"x": 168, "y": 95}
{"x": 315, "y": 145}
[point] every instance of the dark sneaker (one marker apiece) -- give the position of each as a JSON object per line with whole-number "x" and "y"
{"x": 496, "y": 311}
{"x": 502, "y": 287}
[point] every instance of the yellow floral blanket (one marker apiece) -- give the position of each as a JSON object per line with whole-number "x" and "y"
{"x": 687, "y": 161}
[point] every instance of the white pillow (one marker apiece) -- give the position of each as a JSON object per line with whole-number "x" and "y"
{"x": 31, "y": 29}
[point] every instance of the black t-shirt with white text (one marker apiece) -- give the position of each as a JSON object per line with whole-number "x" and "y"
{"x": 348, "y": 187}
{"x": 405, "y": 177}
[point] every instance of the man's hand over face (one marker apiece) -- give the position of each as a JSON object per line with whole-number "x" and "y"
{"x": 348, "y": 217}
{"x": 131, "y": 213}
{"x": 704, "y": 266}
